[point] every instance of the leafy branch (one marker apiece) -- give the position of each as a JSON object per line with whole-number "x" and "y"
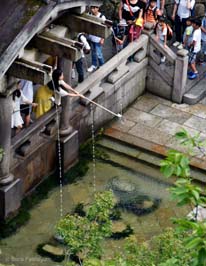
{"x": 185, "y": 192}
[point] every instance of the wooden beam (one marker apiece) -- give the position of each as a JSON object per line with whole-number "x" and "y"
{"x": 55, "y": 46}
{"x": 30, "y": 70}
{"x": 86, "y": 23}
{"x": 67, "y": 41}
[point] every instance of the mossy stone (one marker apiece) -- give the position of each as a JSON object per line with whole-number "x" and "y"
{"x": 118, "y": 226}
{"x": 56, "y": 251}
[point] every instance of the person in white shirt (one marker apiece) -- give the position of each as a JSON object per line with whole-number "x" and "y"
{"x": 181, "y": 11}
{"x": 85, "y": 50}
{"x": 161, "y": 34}
{"x": 96, "y": 43}
{"x": 195, "y": 47}
{"x": 59, "y": 86}
{"x": 17, "y": 98}
{"x": 27, "y": 90}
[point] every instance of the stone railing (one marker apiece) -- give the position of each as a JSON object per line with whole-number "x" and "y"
{"x": 114, "y": 85}
{"x": 167, "y": 79}
{"x": 33, "y": 150}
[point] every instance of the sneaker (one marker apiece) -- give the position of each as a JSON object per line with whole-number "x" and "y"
{"x": 179, "y": 47}
{"x": 73, "y": 74}
{"x": 175, "y": 44}
{"x": 163, "y": 58}
{"x": 193, "y": 76}
{"x": 92, "y": 68}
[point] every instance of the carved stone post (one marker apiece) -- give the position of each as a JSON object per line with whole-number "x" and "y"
{"x": 65, "y": 127}
{"x": 69, "y": 136}
{"x": 10, "y": 189}
{"x": 5, "y": 139}
{"x": 180, "y": 76}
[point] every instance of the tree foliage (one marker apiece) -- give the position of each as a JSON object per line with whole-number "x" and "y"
{"x": 185, "y": 246}
{"x": 83, "y": 235}
{"x": 185, "y": 191}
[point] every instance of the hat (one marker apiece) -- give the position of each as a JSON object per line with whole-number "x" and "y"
{"x": 122, "y": 23}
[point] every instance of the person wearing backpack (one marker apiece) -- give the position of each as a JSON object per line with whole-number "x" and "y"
{"x": 181, "y": 12}
{"x": 85, "y": 50}
{"x": 187, "y": 36}
{"x": 120, "y": 35}
{"x": 161, "y": 34}
{"x": 131, "y": 12}
{"x": 96, "y": 43}
{"x": 152, "y": 12}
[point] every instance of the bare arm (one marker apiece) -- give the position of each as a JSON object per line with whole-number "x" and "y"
{"x": 185, "y": 40}
{"x": 189, "y": 4}
{"x": 120, "y": 10}
{"x": 69, "y": 88}
{"x": 165, "y": 41}
{"x": 141, "y": 13}
{"x": 174, "y": 11}
{"x": 203, "y": 29}
{"x": 162, "y": 5}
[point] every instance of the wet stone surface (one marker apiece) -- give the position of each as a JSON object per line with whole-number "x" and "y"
{"x": 170, "y": 113}
{"x": 155, "y": 123}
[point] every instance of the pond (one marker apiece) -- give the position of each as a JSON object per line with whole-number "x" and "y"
{"x": 20, "y": 248}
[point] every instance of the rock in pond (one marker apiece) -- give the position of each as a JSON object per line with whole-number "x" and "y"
{"x": 55, "y": 251}
{"x": 122, "y": 185}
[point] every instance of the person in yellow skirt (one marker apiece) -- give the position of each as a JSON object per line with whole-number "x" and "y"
{"x": 57, "y": 87}
{"x": 42, "y": 97}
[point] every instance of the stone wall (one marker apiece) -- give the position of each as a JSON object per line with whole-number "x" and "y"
{"x": 115, "y": 86}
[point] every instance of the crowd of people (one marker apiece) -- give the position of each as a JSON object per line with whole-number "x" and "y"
{"x": 189, "y": 30}
{"x": 189, "y": 33}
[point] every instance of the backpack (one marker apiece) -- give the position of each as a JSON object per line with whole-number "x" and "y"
{"x": 169, "y": 31}
{"x": 154, "y": 11}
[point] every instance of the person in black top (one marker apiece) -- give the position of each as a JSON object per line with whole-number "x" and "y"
{"x": 136, "y": 8}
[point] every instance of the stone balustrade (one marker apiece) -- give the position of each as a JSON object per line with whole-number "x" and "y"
{"x": 115, "y": 85}
{"x": 167, "y": 79}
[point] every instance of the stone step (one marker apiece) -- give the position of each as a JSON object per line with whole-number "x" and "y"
{"x": 130, "y": 152}
{"x": 145, "y": 151}
{"x": 197, "y": 93}
{"x": 137, "y": 165}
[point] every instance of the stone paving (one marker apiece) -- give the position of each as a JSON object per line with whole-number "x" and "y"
{"x": 151, "y": 123}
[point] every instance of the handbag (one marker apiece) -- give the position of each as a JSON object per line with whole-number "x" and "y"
{"x": 134, "y": 32}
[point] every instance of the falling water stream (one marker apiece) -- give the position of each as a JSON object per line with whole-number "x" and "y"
{"x": 93, "y": 147}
